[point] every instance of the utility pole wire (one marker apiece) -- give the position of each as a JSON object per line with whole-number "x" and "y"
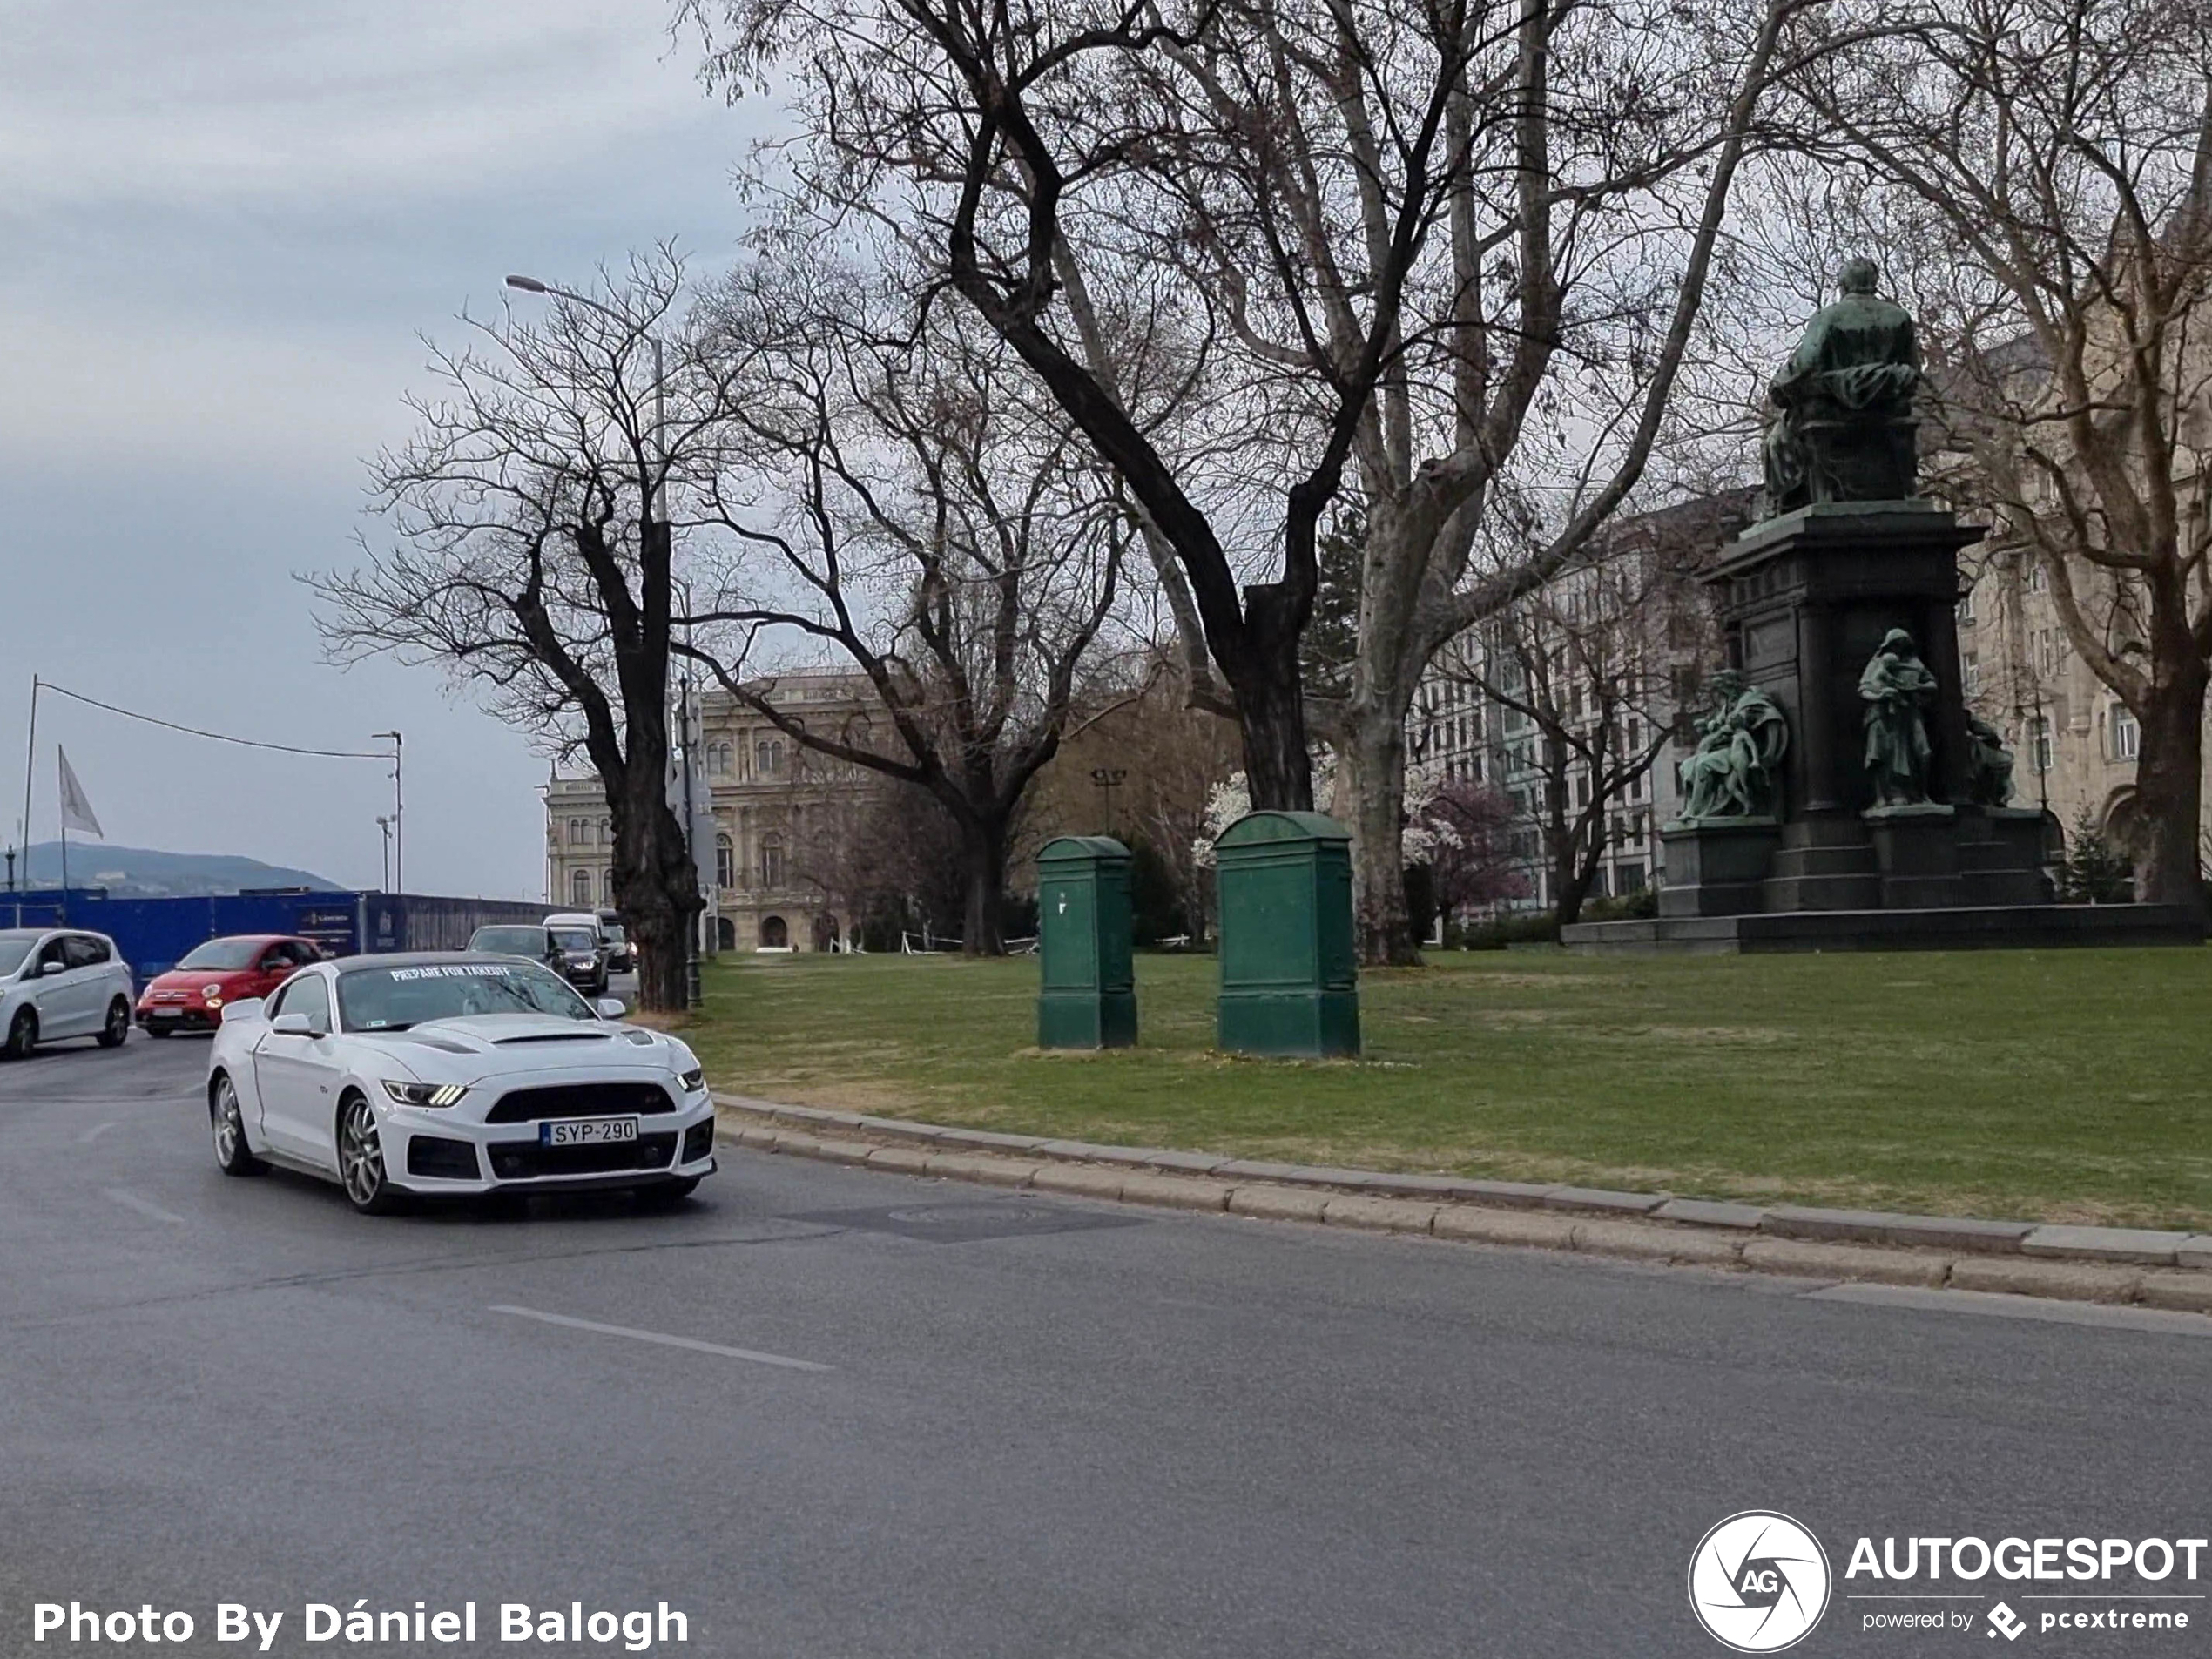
{"x": 219, "y": 737}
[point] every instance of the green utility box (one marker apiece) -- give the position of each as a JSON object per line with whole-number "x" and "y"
{"x": 1089, "y": 999}
{"x": 1289, "y": 975}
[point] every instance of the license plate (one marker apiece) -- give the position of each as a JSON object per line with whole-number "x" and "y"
{"x": 588, "y": 1131}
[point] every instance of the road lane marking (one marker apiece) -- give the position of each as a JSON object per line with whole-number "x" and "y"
{"x": 94, "y": 1133}
{"x": 664, "y": 1340}
{"x": 1996, "y": 1302}
{"x": 132, "y": 1201}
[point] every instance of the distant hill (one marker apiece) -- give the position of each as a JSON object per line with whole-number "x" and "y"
{"x": 141, "y": 873}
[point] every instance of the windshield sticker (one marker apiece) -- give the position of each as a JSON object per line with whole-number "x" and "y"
{"x": 454, "y": 970}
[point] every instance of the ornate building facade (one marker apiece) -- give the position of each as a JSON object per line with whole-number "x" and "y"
{"x": 779, "y": 813}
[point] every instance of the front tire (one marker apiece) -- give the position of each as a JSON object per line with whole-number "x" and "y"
{"x": 360, "y": 1160}
{"x": 234, "y": 1156}
{"x": 118, "y": 1024}
{"x": 22, "y": 1037}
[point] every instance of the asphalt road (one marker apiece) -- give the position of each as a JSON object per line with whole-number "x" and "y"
{"x": 1036, "y": 1427}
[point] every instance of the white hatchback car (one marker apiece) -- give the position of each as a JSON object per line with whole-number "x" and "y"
{"x": 454, "y": 1073}
{"x": 57, "y": 982}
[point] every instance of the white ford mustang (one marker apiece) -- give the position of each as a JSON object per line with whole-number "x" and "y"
{"x": 453, "y": 1072}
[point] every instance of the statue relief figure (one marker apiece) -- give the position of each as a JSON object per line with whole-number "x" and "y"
{"x": 1736, "y": 769}
{"x": 1989, "y": 781}
{"x": 1843, "y": 426}
{"x": 1898, "y": 690}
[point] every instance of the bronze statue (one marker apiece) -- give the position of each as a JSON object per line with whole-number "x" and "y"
{"x": 1989, "y": 778}
{"x": 1736, "y": 770}
{"x": 1843, "y": 426}
{"x": 1898, "y": 690}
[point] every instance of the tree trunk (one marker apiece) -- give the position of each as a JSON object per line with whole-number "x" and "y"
{"x": 1271, "y": 703}
{"x": 983, "y": 869}
{"x": 1374, "y": 779}
{"x": 1571, "y": 878}
{"x": 656, "y": 886}
{"x": 2169, "y": 782}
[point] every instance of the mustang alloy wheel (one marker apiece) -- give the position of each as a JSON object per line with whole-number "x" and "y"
{"x": 360, "y": 1160}
{"x": 233, "y": 1155}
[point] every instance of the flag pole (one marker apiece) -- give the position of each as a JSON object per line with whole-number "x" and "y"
{"x": 57, "y": 765}
{"x": 29, "y": 763}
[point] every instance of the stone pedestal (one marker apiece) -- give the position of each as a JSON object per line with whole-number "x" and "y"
{"x": 1808, "y": 597}
{"x": 1916, "y": 849}
{"x": 1715, "y": 868}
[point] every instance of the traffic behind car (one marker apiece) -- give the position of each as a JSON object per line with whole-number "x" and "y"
{"x": 454, "y": 1073}
{"x": 192, "y": 995}
{"x": 618, "y": 941}
{"x": 58, "y": 983}
{"x": 584, "y": 952}
{"x": 530, "y": 943}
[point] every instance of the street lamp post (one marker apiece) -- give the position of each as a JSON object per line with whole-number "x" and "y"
{"x": 385, "y": 824}
{"x": 397, "y": 834}
{"x": 692, "y": 992}
{"x": 1107, "y": 779}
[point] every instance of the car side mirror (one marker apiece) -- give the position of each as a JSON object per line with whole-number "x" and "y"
{"x": 53, "y": 967}
{"x": 294, "y": 1025}
{"x": 611, "y": 1008}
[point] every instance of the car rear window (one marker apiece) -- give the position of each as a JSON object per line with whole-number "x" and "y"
{"x": 512, "y": 941}
{"x": 574, "y": 938}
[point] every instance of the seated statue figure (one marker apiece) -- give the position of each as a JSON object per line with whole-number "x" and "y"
{"x": 1897, "y": 691}
{"x": 1736, "y": 769}
{"x": 1843, "y": 426}
{"x": 1989, "y": 780}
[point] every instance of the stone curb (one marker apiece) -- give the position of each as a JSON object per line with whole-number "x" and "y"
{"x": 2091, "y": 1264}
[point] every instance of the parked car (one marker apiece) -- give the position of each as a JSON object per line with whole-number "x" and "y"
{"x": 192, "y": 995}
{"x": 583, "y": 949}
{"x": 618, "y": 953}
{"x": 454, "y": 1073}
{"x": 530, "y": 941}
{"x": 59, "y": 983}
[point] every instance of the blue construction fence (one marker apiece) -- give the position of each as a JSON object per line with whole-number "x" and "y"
{"x": 153, "y": 934}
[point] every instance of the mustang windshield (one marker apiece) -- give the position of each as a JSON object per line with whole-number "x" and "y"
{"x": 223, "y": 956}
{"x": 392, "y": 999}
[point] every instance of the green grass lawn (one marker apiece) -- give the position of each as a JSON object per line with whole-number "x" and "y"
{"x": 2067, "y": 1085}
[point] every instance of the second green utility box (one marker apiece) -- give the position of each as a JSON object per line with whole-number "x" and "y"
{"x": 1089, "y": 999}
{"x": 1289, "y": 975}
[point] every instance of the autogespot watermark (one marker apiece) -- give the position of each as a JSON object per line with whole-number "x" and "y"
{"x": 1758, "y": 1581}
{"x": 257, "y": 1629}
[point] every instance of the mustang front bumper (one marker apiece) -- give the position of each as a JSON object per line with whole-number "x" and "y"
{"x": 430, "y": 1150}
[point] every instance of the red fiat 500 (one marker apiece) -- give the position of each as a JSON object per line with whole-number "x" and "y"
{"x": 190, "y": 995}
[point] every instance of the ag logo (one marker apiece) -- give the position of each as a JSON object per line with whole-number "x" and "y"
{"x": 1758, "y": 1582}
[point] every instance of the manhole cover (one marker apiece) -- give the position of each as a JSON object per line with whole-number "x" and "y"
{"x": 958, "y": 1223}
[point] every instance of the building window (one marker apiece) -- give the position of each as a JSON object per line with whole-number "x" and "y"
{"x": 772, "y": 862}
{"x": 1966, "y": 609}
{"x": 768, "y": 759}
{"x": 607, "y": 888}
{"x": 1970, "y": 674}
{"x": 606, "y": 832}
{"x": 2037, "y": 581}
{"x": 2040, "y": 744}
{"x": 2126, "y": 734}
{"x": 580, "y": 889}
{"x": 2047, "y": 650}
{"x": 577, "y": 831}
{"x": 725, "y": 863}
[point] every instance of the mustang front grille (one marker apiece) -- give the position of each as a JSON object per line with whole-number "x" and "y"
{"x": 525, "y": 1160}
{"x": 580, "y": 1100}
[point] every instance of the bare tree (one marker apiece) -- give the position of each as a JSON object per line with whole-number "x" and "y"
{"x": 1448, "y": 248}
{"x": 2044, "y": 168}
{"x": 903, "y": 502}
{"x": 532, "y": 558}
{"x": 1589, "y": 669}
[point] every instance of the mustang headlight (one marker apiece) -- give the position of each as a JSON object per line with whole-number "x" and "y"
{"x": 693, "y": 1081}
{"x": 425, "y": 1094}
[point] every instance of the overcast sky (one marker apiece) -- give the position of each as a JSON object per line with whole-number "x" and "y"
{"x": 222, "y": 226}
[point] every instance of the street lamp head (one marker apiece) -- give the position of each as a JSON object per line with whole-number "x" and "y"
{"x": 527, "y": 285}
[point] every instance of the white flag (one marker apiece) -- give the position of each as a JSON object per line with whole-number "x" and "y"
{"x": 77, "y": 810}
